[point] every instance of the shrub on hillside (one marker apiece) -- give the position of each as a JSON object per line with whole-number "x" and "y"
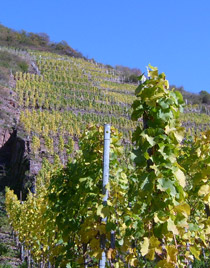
{"x": 23, "y": 66}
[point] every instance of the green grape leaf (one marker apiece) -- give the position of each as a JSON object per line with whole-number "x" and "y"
{"x": 166, "y": 185}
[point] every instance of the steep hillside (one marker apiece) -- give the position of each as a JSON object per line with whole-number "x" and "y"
{"x": 36, "y": 41}
{"x": 71, "y": 93}
{"x": 49, "y": 93}
{"x": 14, "y": 161}
{"x": 45, "y": 108}
{"x": 52, "y": 102}
{"x": 59, "y": 96}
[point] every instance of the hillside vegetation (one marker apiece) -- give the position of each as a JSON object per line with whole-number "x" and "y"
{"x": 10, "y": 63}
{"x": 157, "y": 212}
{"x": 9, "y": 253}
{"x": 71, "y": 93}
{"x": 58, "y": 97}
{"x": 40, "y": 41}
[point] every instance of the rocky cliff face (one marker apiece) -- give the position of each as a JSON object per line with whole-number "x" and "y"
{"x": 14, "y": 165}
{"x": 14, "y": 157}
{"x": 17, "y": 169}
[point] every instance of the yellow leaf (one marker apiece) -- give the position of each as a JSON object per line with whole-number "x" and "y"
{"x": 102, "y": 228}
{"x": 171, "y": 253}
{"x": 97, "y": 253}
{"x": 154, "y": 247}
{"x": 204, "y": 190}
{"x": 117, "y": 265}
{"x": 198, "y": 151}
{"x": 124, "y": 176}
{"x": 105, "y": 212}
{"x": 180, "y": 177}
{"x": 178, "y": 136}
{"x": 151, "y": 254}
{"x": 109, "y": 253}
{"x": 203, "y": 239}
{"x": 145, "y": 246}
{"x": 208, "y": 230}
{"x": 172, "y": 227}
{"x": 183, "y": 208}
{"x": 164, "y": 264}
{"x": 189, "y": 256}
{"x": 158, "y": 219}
{"x": 206, "y": 199}
{"x": 133, "y": 262}
{"x": 99, "y": 208}
{"x": 195, "y": 252}
{"x": 168, "y": 129}
{"x": 154, "y": 242}
{"x": 94, "y": 243}
{"x": 150, "y": 139}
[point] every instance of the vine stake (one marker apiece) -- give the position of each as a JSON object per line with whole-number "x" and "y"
{"x": 104, "y": 189}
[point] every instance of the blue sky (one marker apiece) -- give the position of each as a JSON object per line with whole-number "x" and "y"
{"x": 173, "y": 35}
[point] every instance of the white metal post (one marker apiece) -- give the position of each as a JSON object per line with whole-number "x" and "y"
{"x": 102, "y": 262}
{"x": 22, "y": 252}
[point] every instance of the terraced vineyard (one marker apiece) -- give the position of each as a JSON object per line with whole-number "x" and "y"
{"x": 71, "y": 93}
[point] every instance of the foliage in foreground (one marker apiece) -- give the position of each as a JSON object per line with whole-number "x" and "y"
{"x": 158, "y": 208}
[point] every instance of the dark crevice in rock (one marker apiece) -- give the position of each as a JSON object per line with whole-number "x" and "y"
{"x": 15, "y": 165}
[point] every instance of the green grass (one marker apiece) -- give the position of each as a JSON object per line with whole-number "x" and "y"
{"x": 23, "y": 265}
{"x": 10, "y": 62}
{"x": 5, "y": 265}
{"x": 3, "y": 249}
{"x": 6, "y": 251}
{"x": 4, "y": 224}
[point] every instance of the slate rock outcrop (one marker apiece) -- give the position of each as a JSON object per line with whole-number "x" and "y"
{"x": 14, "y": 164}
